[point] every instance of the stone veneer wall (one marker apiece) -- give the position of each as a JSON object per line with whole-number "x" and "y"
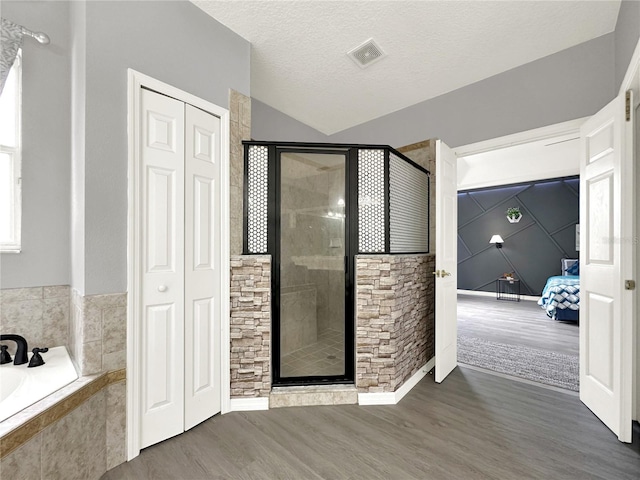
{"x": 250, "y": 326}
{"x": 395, "y": 319}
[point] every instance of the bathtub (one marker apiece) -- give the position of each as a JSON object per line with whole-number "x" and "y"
{"x": 21, "y": 386}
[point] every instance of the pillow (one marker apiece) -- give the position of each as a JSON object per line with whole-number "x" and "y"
{"x": 574, "y": 269}
{"x": 568, "y": 263}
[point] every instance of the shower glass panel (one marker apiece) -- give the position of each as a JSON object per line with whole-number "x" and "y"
{"x": 312, "y": 264}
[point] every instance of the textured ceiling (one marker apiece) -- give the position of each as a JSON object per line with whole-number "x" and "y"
{"x": 299, "y": 63}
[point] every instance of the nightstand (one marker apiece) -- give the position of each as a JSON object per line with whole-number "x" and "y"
{"x": 508, "y": 289}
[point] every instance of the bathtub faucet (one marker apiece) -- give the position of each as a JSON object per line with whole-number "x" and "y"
{"x": 21, "y": 353}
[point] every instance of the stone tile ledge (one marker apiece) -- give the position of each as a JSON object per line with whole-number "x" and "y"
{"x": 336, "y": 387}
{"x": 298, "y": 396}
{"x": 21, "y": 427}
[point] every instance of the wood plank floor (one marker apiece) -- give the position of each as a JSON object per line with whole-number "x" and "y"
{"x": 515, "y": 323}
{"x": 472, "y": 426}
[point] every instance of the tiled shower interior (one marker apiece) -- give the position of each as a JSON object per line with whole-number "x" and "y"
{"x": 325, "y": 356}
{"x": 312, "y": 279}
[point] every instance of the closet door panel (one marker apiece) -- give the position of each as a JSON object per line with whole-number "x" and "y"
{"x": 162, "y": 310}
{"x": 202, "y": 259}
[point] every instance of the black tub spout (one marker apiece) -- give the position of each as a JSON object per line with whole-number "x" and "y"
{"x": 21, "y": 353}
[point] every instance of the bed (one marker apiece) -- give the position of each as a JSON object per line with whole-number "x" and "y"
{"x": 561, "y": 294}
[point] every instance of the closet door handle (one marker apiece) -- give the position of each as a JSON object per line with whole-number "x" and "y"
{"x": 162, "y": 288}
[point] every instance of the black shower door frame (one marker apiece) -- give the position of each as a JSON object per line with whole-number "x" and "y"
{"x": 351, "y": 248}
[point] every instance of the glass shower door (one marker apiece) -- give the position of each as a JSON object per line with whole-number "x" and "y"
{"x": 311, "y": 265}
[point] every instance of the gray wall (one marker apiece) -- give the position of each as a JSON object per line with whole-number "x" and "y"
{"x": 173, "y": 41}
{"x": 627, "y": 34}
{"x": 570, "y": 84}
{"x": 270, "y": 124}
{"x": 46, "y": 127}
{"x": 532, "y": 248}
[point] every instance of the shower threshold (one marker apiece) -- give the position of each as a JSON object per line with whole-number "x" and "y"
{"x": 305, "y": 395}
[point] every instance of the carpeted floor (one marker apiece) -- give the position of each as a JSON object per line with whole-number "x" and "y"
{"x": 550, "y": 368}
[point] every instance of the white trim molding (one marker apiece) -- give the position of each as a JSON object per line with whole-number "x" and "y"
{"x": 136, "y": 81}
{"x": 570, "y": 127}
{"x": 521, "y": 157}
{"x": 249, "y": 404}
{"x": 631, "y": 76}
{"x": 392, "y": 398}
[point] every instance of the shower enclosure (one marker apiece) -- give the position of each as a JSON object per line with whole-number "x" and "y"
{"x": 313, "y": 207}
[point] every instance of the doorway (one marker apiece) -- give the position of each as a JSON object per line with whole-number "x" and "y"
{"x": 501, "y": 325}
{"x": 606, "y": 344}
{"x": 313, "y": 331}
{"x": 536, "y": 172}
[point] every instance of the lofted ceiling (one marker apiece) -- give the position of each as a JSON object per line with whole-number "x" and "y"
{"x": 299, "y": 63}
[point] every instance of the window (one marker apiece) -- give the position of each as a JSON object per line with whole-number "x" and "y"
{"x": 10, "y": 161}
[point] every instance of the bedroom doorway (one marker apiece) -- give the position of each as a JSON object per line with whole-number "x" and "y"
{"x": 518, "y": 338}
{"x": 609, "y": 344}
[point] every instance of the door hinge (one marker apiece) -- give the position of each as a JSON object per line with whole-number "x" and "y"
{"x": 627, "y": 106}
{"x": 629, "y": 284}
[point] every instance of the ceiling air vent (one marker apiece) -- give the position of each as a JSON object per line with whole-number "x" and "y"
{"x": 366, "y": 53}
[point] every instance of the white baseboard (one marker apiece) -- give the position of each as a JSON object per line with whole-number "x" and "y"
{"x": 383, "y": 398}
{"x": 491, "y": 294}
{"x": 392, "y": 398}
{"x": 249, "y": 404}
{"x": 415, "y": 378}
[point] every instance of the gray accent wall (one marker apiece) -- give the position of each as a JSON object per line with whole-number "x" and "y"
{"x": 532, "y": 249}
{"x": 626, "y": 38}
{"x": 46, "y": 166}
{"x": 570, "y": 84}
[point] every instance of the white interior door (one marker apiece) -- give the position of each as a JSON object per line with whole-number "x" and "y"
{"x": 162, "y": 256}
{"x": 446, "y": 261}
{"x": 606, "y": 261}
{"x": 202, "y": 261}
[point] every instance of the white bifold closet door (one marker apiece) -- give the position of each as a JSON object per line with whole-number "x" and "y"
{"x": 180, "y": 351}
